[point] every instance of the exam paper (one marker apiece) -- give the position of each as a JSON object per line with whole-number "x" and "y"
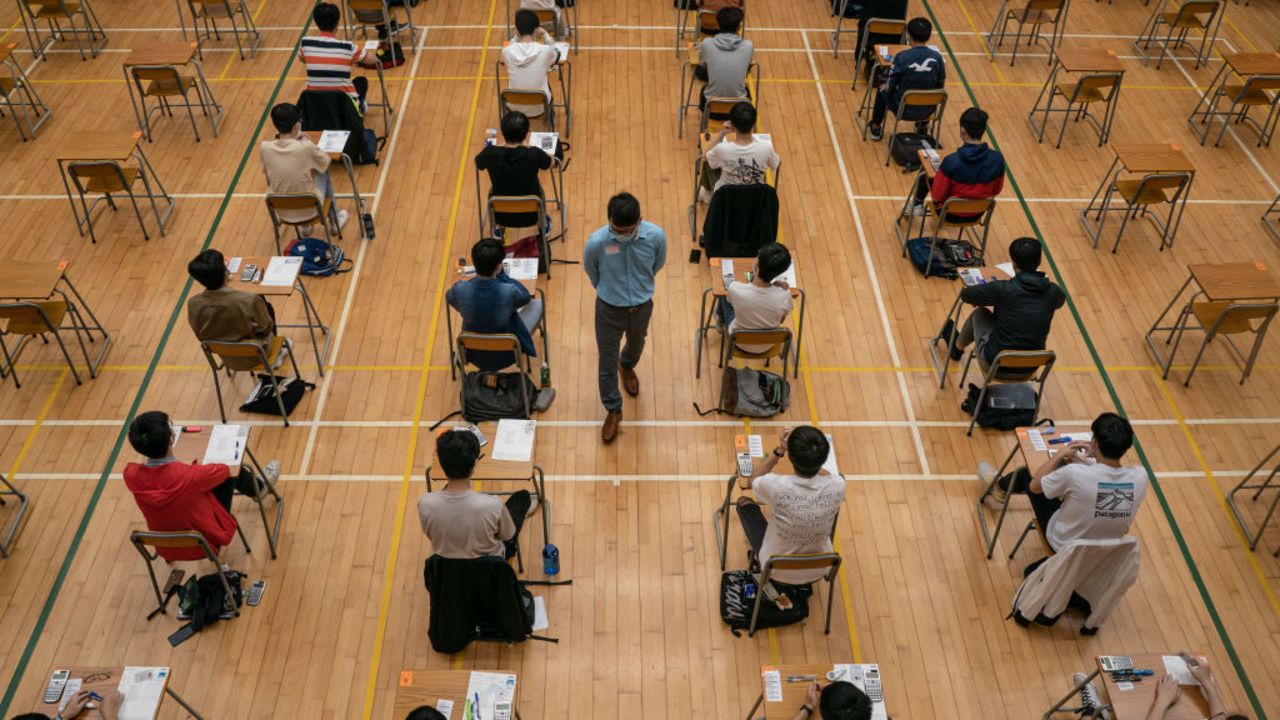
{"x": 281, "y": 271}
{"x": 789, "y": 277}
{"x": 521, "y": 268}
{"x": 445, "y": 708}
{"x": 142, "y": 688}
{"x": 226, "y": 445}
{"x": 1006, "y": 268}
{"x": 333, "y": 141}
{"x": 1177, "y": 667}
{"x": 755, "y": 446}
{"x": 514, "y": 441}
{"x": 772, "y": 686}
{"x": 492, "y": 688}
{"x": 546, "y": 141}
{"x": 830, "y": 465}
{"x": 1037, "y": 440}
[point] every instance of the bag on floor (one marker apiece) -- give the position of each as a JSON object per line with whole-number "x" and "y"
{"x": 495, "y": 395}
{"x": 263, "y": 400}
{"x": 851, "y": 8}
{"x": 319, "y": 258}
{"x": 905, "y": 149}
{"x": 961, "y": 253}
{"x": 747, "y": 392}
{"x": 919, "y": 249}
{"x": 1007, "y": 405}
{"x": 367, "y": 148}
{"x": 736, "y": 607}
{"x": 391, "y": 56}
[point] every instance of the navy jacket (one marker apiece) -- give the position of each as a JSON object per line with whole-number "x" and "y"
{"x": 489, "y": 305}
{"x": 916, "y": 68}
{"x": 1024, "y": 308}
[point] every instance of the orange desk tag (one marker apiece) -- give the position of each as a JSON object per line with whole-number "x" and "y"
{"x": 1111, "y": 53}
{"x": 62, "y": 264}
{"x": 137, "y": 135}
{"x": 194, "y": 44}
{"x": 740, "y": 442}
{"x": 1022, "y": 432}
{"x": 14, "y": 45}
{"x": 715, "y": 262}
{"x": 1260, "y": 266}
{"x": 406, "y": 678}
{"x": 767, "y": 668}
{"x": 1176, "y": 148}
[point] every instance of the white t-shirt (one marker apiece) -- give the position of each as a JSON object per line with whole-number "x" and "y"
{"x": 527, "y": 66}
{"x": 757, "y": 308}
{"x": 1099, "y": 502}
{"x": 803, "y": 513}
{"x": 742, "y": 164}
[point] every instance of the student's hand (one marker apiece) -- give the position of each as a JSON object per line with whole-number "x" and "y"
{"x": 1199, "y": 668}
{"x": 726, "y": 128}
{"x": 782, "y": 439}
{"x": 541, "y": 34}
{"x": 1167, "y": 692}
{"x": 811, "y": 698}
{"x": 76, "y": 704}
{"x": 782, "y": 284}
{"x": 110, "y": 705}
{"x": 304, "y": 137}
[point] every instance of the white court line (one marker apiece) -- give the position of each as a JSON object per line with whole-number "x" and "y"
{"x": 866, "y": 257}
{"x": 345, "y": 315}
{"x": 49, "y": 197}
{"x": 180, "y": 196}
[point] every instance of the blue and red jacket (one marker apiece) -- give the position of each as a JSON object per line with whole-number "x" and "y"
{"x": 974, "y": 171}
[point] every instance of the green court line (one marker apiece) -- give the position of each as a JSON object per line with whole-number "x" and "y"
{"x": 58, "y": 581}
{"x": 1115, "y": 398}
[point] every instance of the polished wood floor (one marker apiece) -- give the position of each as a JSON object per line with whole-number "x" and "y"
{"x": 345, "y": 609}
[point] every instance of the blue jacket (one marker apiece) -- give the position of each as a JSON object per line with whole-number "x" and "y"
{"x": 489, "y": 305}
{"x": 916, "y": 68}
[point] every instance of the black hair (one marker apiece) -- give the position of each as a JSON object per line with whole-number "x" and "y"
{"x": 1113, "y": 434}
{"x": 1025, "y": 254}
{"x": 424, "y": 712}
{"x": 487, "y": 256}
{"x": 772, "y": 260}
{"x": 624, "y": 210}
{"x": 458, "y": 451}
{"x": 729, "y": 19}
{"x": 919, "y": 30}
{"x": 326, "y": 16}
{"x": 149, "y": 434}
{"x": 515, "y": 126}
{"x": 974, "y": 122}
{"x": 844, "y": 701}
{"x": 285, "y": 117}
{"x": 808, "y": 449}
{"x": 743, "y": 117}
{"x": 527, "y": 22}
{"x": 209, "y": 268}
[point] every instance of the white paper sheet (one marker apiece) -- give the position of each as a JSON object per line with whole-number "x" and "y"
{"x": 856, "y": 674}
{"x": 789, "y": 276}
{"x": 1006, "y": 268}
{"x": 69, "y": 691}
{"x": 514, "y": 441}
{"x": 540, "y": 621}
{"x": 226, "y": 445}
{"x": 1037, "y": 440}
{"x": 333, "y": 141}
{"x": 1177, "y": 667}
{"x": 233, "y": 265}
{"x": 445, "y": 708}
{"x": 562, "y": 51}
{"x": 492, "y": 689}
{"x": 726, "y": 267}
{"x": 772, "y": 685}
{"x": 755, "y": 446}
{"x": 142, "y": 688}
{"x": 371, "y": 46}
{"x": 546, "y": 141}
{"x": 830, "y": 465}
{"x": 281, "y": 271}
{"x": 521, "y": 268}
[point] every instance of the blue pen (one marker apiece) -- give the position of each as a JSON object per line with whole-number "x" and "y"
{"x": 1060, "y": 440}
{"x": 477, "y": 706}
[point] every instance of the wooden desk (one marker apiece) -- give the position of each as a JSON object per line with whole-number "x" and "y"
{"x": 103, "y": 680}
{"x": 879, "y": 67}
{"x": 29, "y": 280}
{"x": 1032, "y": 459}
{"x": 1235, "y": 281}
{"x": 1086, "y": 64}
{"x": 19, "y": 96}
{"x": 193, "y": 446}
{"x": 427, "y": 687}
{"x": 716, "y": 293}
{"x": 116, "y": 147}
{"x": 1140, "y": 159}
{"x": 1134, "y": 702}
{"x": 312, "y": 313}
{"x": 1260, "y": 67}
{"x": 173, "y": 56}
{"x": 796, "y": 680}
{"x": 35, "y": 281}
{"x": 162, "y": 53}
{"x": 1271, "y": 218}
{"x": 82, "y": 27}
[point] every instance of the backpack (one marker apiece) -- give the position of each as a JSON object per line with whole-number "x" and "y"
{"x": 1008, "y": 405}
{"x": 392, "y": 56}
{"x": 319, "y": 258}
{"x": 919, "y": 249}
{"x": 204, "y": 599}
{"x": 366, "y": 148}
{"x": 906, "y": 148}
{"x": 736, "y": 607}
{"x": 495, "y": 395}
{"x": 263, "y": 399}
{"x": 851, "y": 8}
{"x": 751, "y": 393}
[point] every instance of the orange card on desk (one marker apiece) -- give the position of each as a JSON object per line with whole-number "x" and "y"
{"x": 406, "y": 678}
{"x": 740, "y": 443}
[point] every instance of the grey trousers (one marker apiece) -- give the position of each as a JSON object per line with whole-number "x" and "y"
{"x": 612, "y": 324}
{"x": 977, "y": 327}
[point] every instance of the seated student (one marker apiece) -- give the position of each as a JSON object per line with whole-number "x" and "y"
{"x": 764, "y": 302}
{"x": 329, "y": 60}
{"x": 742, "y": 161}
{"x": 974, "y": 171}
{"x": 176, "y": 496}
{"x": 491, "y": 302}
{"x": 839, "y": 700}
{"x": 1168, "y": 691}
{"x": 804, "y": 505}
{"x": 295, "y": 165}
{"x": 513, "y": 166}
{"x": 461, "y": 523}
{"x": 547, "y": 5}
{"x": 919, "y": 67}
{"x": 1021, "y": 308}
{"x": 220, "y": 313}
{"x": 529, "y": 58}
{"x": 424, "y": 712}
{"x": 877, "y": 10}
{"x": 725, "y": 59}
{"x": 1083, "y": 492}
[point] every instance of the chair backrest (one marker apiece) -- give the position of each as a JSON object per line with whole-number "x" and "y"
{"x": 509, "y": 96}
{"x": 369, "y": 12}
{"x": 778, "y": 339}
{"x": 1042, "y": 6}
{"x": 977, "y": 207}
{"x": 1238, "y": 318}
{"x": 1095, "y": 83}
{"x": 1260, "y": 83}
{"x": 31, "y": 318}
{"x": 722, "y": 106}
{"x": 545, "y": 17}
{"x": 1166, "y": 181}
{"x": 293, "y": 202}
{"x": 883, "y": 26}
{"x": 1188, "y": 12}
{"x": 224, "y": 5}
{"x": 707, "y": 22}
{"x": 516, "y": 204}
{"x": 488, "y": 342}
{"x": 50, "y": 5}
{"x": 105, "y": 174}
{"x": 227, "y": 348}
{"x": 164, "y": 78}
{"x": 924, "y": 98}
{"x": 803, "y": 562}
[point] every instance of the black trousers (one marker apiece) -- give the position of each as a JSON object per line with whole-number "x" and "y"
{"x": 242, "y": 483}
{"x": 753, "y": 522}
{"x": 1044, "y": 507}
{"x": 518, "y": 506}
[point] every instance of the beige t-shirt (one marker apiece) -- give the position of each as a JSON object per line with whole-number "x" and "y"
{"x": 757, "y": 308}
{"x": 465, "y": 525}
{"x": 804, "y": 510}
{"x": 291, "y": 166}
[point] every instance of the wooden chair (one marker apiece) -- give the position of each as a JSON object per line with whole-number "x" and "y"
{"x": 972, "y": 214}
{"x": 934, "y": 100}
{"x": 211, "y": 11}
{"x": 522, "y": 204}
{"x": 1225, "y": 319}
{"x": 1256, "y": 91}
{"x": 145, "y": 541}
{"x": 26, "y": 320}
{"x": 19, "y": 97}
{"x": 495, "y": 342}
{"x": 779, "y": 340}
{"x": 250, "y": 357}
{"x": 1036, "y": 13}
{"x": 830, "y": 561}
{"x": 718, "y": 108}
{"x": 1080, "y": 95}
{"x": 54, "y": 11}
{"x": 281, "y": 207}
{"x": 875, "y": 26}
{"x": 1202, "y": 15}
{"x": 1139, "y": 196}
{"x": 1271, "y": 218}
{"x": 106, "y": 178}
{"x": 166, "y": 84}
{"x": 364, "y": 14}
{"x": 15, "y": 521}
{"x": 1030, "y": 367}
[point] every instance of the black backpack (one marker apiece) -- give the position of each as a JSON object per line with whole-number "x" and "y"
{"x": 736, "y": 607}
{"x": 906, "y": 147}
{"x": 493, "y": 396}
{"x": 263, "y": 399}
{"x": 852, "y": 8}
{"x": 1007, "y": 406}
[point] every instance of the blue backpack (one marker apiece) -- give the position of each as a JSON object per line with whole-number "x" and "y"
{"x": 319, "y": 258}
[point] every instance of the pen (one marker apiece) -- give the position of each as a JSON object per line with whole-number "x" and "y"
{"x": 1060, "y": 440}
{"x": 801, "y": 678}
{"x": 477, "y": 706}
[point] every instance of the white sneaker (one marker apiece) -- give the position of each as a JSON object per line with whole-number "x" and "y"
{"x": 343, "y": 217}
{"x": 704, "y": 196}
{"x": 1090, "y": 701}
{"x": 285, "y": 348}
{"x": 271, "y": 473}
{"x": 916, "y": 209}
{"x": 986, "y": 473}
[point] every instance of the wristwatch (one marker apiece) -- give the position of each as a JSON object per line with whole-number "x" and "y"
{"x": 808, "y": 711}
{"x": 778, "y": 452}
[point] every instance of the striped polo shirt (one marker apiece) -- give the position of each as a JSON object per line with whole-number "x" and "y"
{"x": 329, "y": 62}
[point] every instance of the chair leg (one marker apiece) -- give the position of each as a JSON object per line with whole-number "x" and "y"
{"x": 67, "y": 356}
{"x": 217, "y": 389}
{"x": 1208, "y": 338}
{"x": 831, "y": 595}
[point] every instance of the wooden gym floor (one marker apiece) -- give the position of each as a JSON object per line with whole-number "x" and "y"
{"x": 345, "y": 609}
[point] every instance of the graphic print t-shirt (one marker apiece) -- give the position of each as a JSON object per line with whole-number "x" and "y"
{"x": 742, "y": 164}
{"x": 803, "y": 512}
{"x": 1099, "y": 502}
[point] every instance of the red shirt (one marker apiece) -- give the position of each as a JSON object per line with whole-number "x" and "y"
{"x": 174, "y": 497}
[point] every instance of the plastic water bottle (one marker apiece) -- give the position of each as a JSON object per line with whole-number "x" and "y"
{"x": 546, "y": 379}
{"x": 550, "y": 559}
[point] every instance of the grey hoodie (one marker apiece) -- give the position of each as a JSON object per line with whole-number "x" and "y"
{"x": 727, "y": 57}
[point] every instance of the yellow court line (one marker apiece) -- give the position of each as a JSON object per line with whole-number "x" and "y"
{"x": 256, "y": 13}
{"x": 1217, "y": 491}
{"x": 227, "y": 68}
{"x": 9, "y": 32}
{"x": 388, "y": 585}
{"x": 29, "y": 441}
{"x": 973, "y": 26}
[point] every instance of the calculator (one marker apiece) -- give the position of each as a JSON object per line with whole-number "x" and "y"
{"x": 1115, "y": 663}
{"x": 871, "y": 683}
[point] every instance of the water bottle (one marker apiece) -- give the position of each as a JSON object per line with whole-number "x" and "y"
{"x": 546, "y": 375}
{"x": 491, "y": 136}
{"x": 550, "y": 559}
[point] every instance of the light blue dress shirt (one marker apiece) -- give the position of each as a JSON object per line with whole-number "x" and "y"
{"x": 623, "y": 271}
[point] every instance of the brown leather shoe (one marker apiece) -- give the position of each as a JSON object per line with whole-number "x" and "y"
{"x": 630, "y": 381}
{"x": 610, "y": 429}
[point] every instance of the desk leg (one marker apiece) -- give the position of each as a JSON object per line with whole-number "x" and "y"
{"x": 140, "y": 117}
{"x": 210, "y": 105}
{"x": 178, "y": 699}
{"x": 1095, "y": 231}
{"x": 1048, "y": 87}
{"x": 23, "y": 503}
{"x": 540, "y": 486}
{"x": 362, "y": 207}
{"x": 800, "y": 330}
{"x": 989, "y": 537}
{"x": 1074, "y": 691}
{"x": 1209, "y": 101}
{"x": 995, "y": 28}
{"x": 71, "y": 198}
{"x": 704, "y": 324}
{"x": 751, "y": 713}
{"x": 272, "y": 529}
{"x": 88, "y": 329}
{"x": 148, "y": 174}
{"x": 1175, "y": 222}
{"x": 1157, "y": 327}
{"x": 453, "y": 354}
{"x": 941, "y": 364}
{"x": 312, "y": 324}
{"x": 904, "y": 234}
{"x": 1109, "y": 113}
{"x": 1258, "y": 488}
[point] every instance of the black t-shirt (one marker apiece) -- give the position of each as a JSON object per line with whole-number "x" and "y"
{"x": 513, "y": 170}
